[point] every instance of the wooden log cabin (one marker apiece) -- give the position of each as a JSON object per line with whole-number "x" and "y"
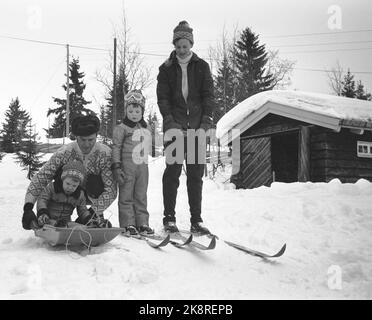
{"x": 291, "y": 136}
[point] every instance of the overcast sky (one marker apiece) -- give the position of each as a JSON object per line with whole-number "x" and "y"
{"x": 34, "y": 72}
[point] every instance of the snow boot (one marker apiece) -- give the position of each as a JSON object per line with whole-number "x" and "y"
{"x": 199, "y": 228}
{"x": 170, "y": 226}
{"x": 145, "y": 230}
{"x": 131, "y": 230}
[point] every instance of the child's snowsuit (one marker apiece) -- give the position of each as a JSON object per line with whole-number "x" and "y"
{"x": 60, "y": 205}
{"x": 131, "y": 144}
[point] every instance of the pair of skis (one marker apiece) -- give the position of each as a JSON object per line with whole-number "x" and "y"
{"x": 190, "y": 241}
{"x": 179, "y": 240}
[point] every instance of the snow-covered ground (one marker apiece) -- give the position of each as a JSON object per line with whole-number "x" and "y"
{"x": 327, "y": 228}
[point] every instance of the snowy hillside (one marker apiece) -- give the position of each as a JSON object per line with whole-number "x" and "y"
{"x": 327, "y": 228}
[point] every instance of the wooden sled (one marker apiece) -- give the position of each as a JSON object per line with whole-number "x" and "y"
{"x": 77, "y": 236}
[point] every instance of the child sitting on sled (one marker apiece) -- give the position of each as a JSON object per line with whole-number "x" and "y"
{"x": 131, "y": 143}
{"x": 59, "y": 199}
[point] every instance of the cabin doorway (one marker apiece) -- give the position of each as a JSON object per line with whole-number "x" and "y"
{"x": 284, "y": 157}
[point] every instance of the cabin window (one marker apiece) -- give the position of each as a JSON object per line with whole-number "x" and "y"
{"x": 364, "y": 149}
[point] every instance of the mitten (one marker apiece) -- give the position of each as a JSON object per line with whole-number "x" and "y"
{"x": 86, "y": 218}
{"x": 43, "y": 217}
{"x": 94, "y": 186}
{"x": 29, "y": 220}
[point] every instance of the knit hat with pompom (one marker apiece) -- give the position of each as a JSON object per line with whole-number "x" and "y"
{"x": 74, "y": 169}
{"x": 183, "y": 31}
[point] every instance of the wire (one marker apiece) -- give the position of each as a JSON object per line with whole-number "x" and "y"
{"x": 79, "y": 47}
{"x": 217, "y": 60}
{"x": 317, "y": 33}
{"x": 54, "y": 43}
{"x": 308, "y": 45}
{"x": 325, "y": 70}
{"x": 280, "y": 36}
{"x": 321, "y": 44}
{"x": 327, "y": 50}
{"x": 166, "y": 55}
{"x": 152, "y": 54}
{"x": 89, "y": 48}
{"x": 35, "y": 41}
{"x": 48, "y": 81}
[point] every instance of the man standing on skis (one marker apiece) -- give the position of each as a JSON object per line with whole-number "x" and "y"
{"x": 99, "y": 185}
{"x": 186, "y": 102}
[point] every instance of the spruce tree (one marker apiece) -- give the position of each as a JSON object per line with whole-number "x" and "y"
{"x": 361, "y": 93}
{"x": 27, "y": 155}
{"x": 14, "y": 127}
{"x": 251, "y": 59}
{"x": 153, "y": 126}
{"x": 103, "y": 130}
{"x": 77, "y": 103}
{"x": 225, "y": 87}
{"x": 121, "y": 86}
{"x": 348, "y": 88}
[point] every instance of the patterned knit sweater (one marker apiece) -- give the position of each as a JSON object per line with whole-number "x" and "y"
{"x": 97, "y": 162}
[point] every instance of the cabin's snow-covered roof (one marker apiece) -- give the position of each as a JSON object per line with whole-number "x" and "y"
{"x": 320, "y": 109}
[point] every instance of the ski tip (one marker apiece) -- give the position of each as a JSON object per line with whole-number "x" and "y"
{"x": 281, "y": 251}
{"x": 212, "y": 244}
{"x": 189, "y": 239}
{"x": 278, "y": 254}
{"x": 163, "y": 243}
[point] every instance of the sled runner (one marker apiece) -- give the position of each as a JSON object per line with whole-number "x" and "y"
{"x": 77, "y": 235}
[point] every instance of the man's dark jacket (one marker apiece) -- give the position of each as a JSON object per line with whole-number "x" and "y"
{"x": 200, "y": 102}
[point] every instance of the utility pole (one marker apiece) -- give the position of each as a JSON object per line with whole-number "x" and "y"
{"x": 114, "y": 102}
{"x": 124, "y": 67}
{"x": 48, "y": 131}
{"x": 224, "y": 87}
{"x": 68, "y": 93}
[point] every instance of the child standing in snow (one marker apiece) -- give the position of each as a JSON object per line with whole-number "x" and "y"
{"x": 129, "y": 165}
{"x": 58, "y": 200}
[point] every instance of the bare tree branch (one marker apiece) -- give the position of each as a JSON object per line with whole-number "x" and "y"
{"x": 335, "y": 78}
{"x": 281, "y": 69}
{"x": 131, "y": 64}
